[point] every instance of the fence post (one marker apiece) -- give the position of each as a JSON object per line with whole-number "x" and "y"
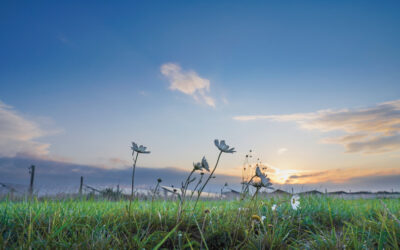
{"x": 81, "y": 186}
{"x": 32, "y": 172}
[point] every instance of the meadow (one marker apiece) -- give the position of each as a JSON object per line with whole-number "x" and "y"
{"x": 319, "y": 222}
{"x": 187, "y": 220}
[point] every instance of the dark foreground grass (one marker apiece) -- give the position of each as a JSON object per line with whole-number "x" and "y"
{"x": 320, "y": 223}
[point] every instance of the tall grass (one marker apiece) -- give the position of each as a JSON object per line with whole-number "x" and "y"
{"x": 320, "y": 223}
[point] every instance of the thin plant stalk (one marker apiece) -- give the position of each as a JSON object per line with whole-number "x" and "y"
{"x": 208, "y": 179}
{"x": 152, "y": 203}
{"x": 133, "y": 175}
{"x": 155, "y": 191}
{"x": 183, "y": 194}
{"x": 256, "y": 193}
{"x": 197, "y": 185}
{"x": 247, "y": 187}
{"x": 186, "y": 185}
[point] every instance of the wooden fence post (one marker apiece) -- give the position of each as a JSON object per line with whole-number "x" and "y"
{"x": 81, "y": 186}
{"x": 32, "y": 172}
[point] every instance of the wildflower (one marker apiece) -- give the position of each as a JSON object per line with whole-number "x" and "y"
{"x": 197, "y": 166}
{"x": 264, "y": 180}
{"x": 255, "y": 217}
{"x": 273, "y": 208}
{"x": 295, "y": 202}
{"x": 223, "y": 147}
{"x": 139, "y": 149}
{"x": 202, "y": 165}
{"x": 263, "y": 217}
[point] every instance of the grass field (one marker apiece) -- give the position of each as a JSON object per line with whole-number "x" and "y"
{"x": 319, "y": 223}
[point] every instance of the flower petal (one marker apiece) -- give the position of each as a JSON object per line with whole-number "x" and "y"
{"x": 204, "y": 164}
{"x": 258, "y": 172}
{"x": 216, "y": 142}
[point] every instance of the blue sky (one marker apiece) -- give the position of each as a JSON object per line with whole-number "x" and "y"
{"x": 88, "y": 77}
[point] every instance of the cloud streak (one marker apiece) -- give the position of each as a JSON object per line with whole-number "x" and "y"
{"x": 367, "y": 130}
{"x": 281, "y": 151}
{"x": 342, "y": 176}
{"x": 18, "y": 134}
{"x": 188, "y": 82}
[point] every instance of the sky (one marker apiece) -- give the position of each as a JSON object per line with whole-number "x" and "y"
{"x": 311, "y": 87}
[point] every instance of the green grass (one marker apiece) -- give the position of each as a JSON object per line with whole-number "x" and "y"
{"x": 320, "y": 223}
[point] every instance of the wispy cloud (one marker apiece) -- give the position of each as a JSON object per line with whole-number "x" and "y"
{"x": 18, "y": 134}
{"x": 281, "y": 151}
{"x": 368, "y": 130}
{"x": 188, "y": 82}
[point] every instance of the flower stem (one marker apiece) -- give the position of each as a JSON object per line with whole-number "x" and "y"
{"x": 208, "y": 179}
{"x": 183, "y": 195}
{"x": 186, "y": 185}
{"x": 197, "y": 185}
{"x": 133, "y": 175}
{"x": 256, "y": 193}
{"x": 247, "y": 188}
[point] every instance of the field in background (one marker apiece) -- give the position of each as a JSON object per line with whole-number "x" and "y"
{"x": 320, "y": 223}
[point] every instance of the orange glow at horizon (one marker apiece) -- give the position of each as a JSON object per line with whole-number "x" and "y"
{"x": 289, "y": 176}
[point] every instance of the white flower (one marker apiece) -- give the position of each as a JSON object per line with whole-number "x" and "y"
{"x": 295, "y": 202}
{"x": 223, "y": 147}
{"x": 273, "y": 208}
{"x": 197, "y": 166}
{"x": 263, "y": 218}
{"x": 265, "y": 181}
{"x": 202, "y": 165}
{"x": 139, "y": 149}
{"x": 258, "y": 172}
